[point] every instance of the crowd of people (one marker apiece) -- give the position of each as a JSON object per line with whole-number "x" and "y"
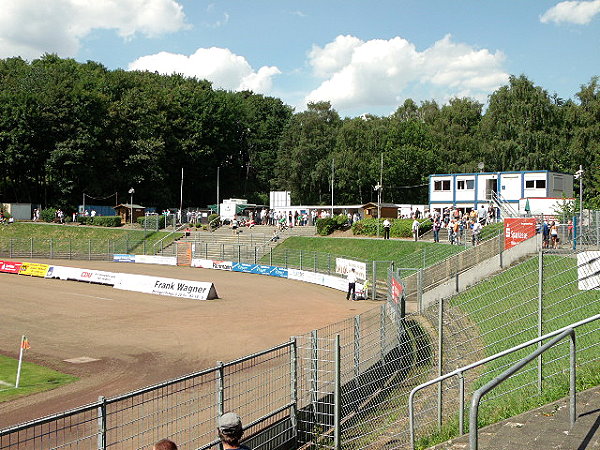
{"x": 458, "y": 222}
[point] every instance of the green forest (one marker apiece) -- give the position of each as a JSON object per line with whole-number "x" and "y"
{"x": 68, "y": 128}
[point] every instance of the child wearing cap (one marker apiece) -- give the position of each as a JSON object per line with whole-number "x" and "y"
{"x": 231, "y": 431}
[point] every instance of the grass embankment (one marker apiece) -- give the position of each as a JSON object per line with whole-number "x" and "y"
{"x": 33, "y": 379}
{"x": 505, "y": 312}
{"x": 54, "y": 238}
{"x": 311, "y": 252}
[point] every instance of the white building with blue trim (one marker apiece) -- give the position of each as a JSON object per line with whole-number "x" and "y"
{"x": 541, "y": 189}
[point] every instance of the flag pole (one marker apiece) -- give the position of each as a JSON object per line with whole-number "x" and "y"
{"x": 20, "y": 362}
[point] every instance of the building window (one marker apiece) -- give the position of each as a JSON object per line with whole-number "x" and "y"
{"x": 535, "y": 184}
{"x": 465, "y": 184}
{"x": 442, "y": 185}
{"x": 558, "y": 183}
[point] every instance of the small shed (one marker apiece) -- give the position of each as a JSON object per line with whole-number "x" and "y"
{"x": 388, "y": 210}
{"x": 126, "y": 209}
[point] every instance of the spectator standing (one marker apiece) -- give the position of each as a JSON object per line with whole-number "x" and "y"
{"x": 482, "y": 215}
{"x": 231, "y": 431}
{"x": 415, "y": 229}
{"x": 476, "y": 229}
{"x": 436, "y": 230}
{"x": 351, "y": 285}
{"x": 386, "y": 229}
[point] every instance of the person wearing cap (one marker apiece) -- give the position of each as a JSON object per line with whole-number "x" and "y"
{"x": 231, "y": 431}
{"x": 165, "y": 444}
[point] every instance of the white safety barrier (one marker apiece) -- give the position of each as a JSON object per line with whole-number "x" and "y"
{"x": 167, "y": 286}
{"x": 156, "y": 259}
{"x": 87, "y": 275}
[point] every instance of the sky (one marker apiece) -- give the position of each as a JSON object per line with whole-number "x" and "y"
{"x": 362, "y": 56}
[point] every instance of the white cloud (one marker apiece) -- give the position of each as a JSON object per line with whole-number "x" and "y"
{"x": 576, "y": 12}
{"x": 383, "y": 72}
{"x": 219, "y": 65}
{"x": 29, "y": 28}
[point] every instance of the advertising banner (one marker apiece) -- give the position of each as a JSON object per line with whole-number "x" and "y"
{"x": 202, "y": 263}
{"x": 10, "y": 266}
{"x": 87, "y": 275}
{"x": 330, "y": 281}
{"x": 588, "y": 270}
{"x": 343, "y": 266}
{"x": 280, "y": 272}
{"x": 34, "y": 269}
{"x": 397, "y": 290}
{"x": 124, "y": 258}
{"x": 244, "y": 267}
{"x": 518, "y": 230}
{"x": 222, "y": 265}
{"x": 197, "y": 290}
{"x": 153, "y": 259}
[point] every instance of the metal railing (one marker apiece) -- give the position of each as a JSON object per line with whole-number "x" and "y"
{"x": 460, "y": 373}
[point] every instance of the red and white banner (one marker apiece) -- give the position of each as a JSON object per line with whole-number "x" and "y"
{"x": 10, "y": 266}
{"x": 197, "y": 290}
{"x": 344, "y": 266}
{"x": 397, "y": 290}
{"x": 518, "y": 230}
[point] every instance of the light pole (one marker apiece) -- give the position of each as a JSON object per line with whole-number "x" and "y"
{"x": 131, "y": 191}
{"x": 579, "y": 175}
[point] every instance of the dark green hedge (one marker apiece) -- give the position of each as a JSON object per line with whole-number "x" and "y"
{"x": 330, "y": 224}
{"x": 401, "y": 228}
{"x": 100, "y": 221}
{"x": 152, "y": 221}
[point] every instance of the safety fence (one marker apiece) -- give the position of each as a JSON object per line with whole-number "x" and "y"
{"x": 542, "y": 294}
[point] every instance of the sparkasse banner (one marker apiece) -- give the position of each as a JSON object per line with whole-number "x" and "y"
{"x": 518, "y": 230}
{"x": 198, "y": 290}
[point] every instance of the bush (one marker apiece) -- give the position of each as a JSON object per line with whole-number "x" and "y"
{"x": 153, "y": 222}
{"x": 401, "y": 228}
{"x": 105, "y": 221}
{"x": 326, "y": 226}
{"x": 48, "y": 214}
{"x": 212, "y": 224}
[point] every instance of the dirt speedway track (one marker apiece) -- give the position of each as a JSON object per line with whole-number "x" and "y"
{"x": 142, "y": 339}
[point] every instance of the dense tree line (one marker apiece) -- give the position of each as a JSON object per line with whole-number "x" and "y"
{"x": 68, "y": 128}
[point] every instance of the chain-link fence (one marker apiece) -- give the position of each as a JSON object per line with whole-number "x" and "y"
{"x": 537, "y": 296}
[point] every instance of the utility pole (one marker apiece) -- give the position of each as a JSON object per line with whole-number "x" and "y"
{"x": 379, "y": 187}
{"x": 332, "y": 174}
{"x": 181, "y": 196}
{"x": 218, "y": 185}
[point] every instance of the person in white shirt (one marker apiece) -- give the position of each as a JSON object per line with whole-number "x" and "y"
{"x": 386, "y": 229}
{"x": 415, "y": 229}
{"x": 351, "y": 285}
{"x": 476, "y": 229}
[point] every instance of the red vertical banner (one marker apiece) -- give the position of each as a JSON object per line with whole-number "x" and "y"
{"x": 397, "y": 290}
{"x": 518, "y": 230}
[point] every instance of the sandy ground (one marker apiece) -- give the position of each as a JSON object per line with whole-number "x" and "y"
{"x": 142, "y": 339}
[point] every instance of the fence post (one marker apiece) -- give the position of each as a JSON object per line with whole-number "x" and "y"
{"x": 540, "y": 360}
{"x": 501, "y": 250}
{"x": 328, "y": 263}
{"x": 255, "y": 257}
{"x": 294, "y": 387}
{"x": 89, "y": 249}
{"x": 270, "y": 256}
{"x": 314, "y": 379}
{"x": 70, "y": 248}
{"x": 301, "y": 254}
{"x": 51, "y": 248}
{"x": 220, "y": 389}
{"x": 10, "y": 250}
{"x": 382, "y": 330}
{"x": 420, "y": 290}
{"x": 315, "y": 264}
{"x": 239, "y": 253}
{"x": 356, "y": 347}
{"x": 31, "y": 248}
{"x": 102, "y": 423}
{"x": 223, "y": 252}
{"x": 286, "y": 258}
{"x": 374, "y": 276}
{"x": 440, "y": 360}
{"x": 337, "y": 395}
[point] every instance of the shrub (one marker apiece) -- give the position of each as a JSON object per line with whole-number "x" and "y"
{"x": 153, "y": 222}
{"x": 326, "y": 226}
{"x": 105, "y": 221}
{"x": 214, "y": 224}
{"x": 400, "y": 227}
{"x": 48, "y": 214}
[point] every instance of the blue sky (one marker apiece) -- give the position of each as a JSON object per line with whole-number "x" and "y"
{"x": 364, "y": 57}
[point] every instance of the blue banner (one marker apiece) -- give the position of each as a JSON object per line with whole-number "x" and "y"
{"x": 244, "y": 267}
{"x": 279, "y": 272}
{"x": 124, "y": 258}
